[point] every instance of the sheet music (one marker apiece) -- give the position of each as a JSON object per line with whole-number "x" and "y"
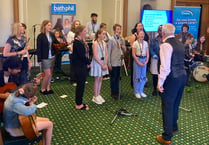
{"x": 63, "y": 96}
{"x": 41, "y": 105}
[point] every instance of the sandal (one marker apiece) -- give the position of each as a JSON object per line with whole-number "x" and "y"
{"x": 44, "y": 92}
{"x": 85, "y": 107}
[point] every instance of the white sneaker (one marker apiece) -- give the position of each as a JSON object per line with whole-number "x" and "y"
{"x": 106, "y": 78}
{"x": 138, "y": 96}
{"x": 96, "y": 100}
{"x": 143, "y": 95}
{"x": 101, "y": 98}
{"x": 74, "y": 84}
{"x": 86, "y": 82}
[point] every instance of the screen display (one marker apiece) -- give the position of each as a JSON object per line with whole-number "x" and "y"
{"x": 152, "y": 19}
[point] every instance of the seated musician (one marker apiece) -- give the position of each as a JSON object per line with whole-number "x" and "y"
{"x": 9, "y": 78}
{"x": 59, "y": 46}
{"x": 200, "y": 49}
{"x": 22, "y": 103}
{"x": 189, "y": 55}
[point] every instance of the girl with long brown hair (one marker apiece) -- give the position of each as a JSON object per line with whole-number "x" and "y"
{"x": 99, "y": 64}
{"x": 45, "y": 53}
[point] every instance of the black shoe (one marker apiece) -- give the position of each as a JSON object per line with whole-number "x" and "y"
{"x": 50, "y": 92}
{"x": 52, "y": 80}
{"x": 175, "y": 131}
{"x": 154, "y": 93}
{"x": 44, "y": 92}
{"x": 114, "y": 96}
{"x": 188, "y": 84}
{"x": 146, "y": 85}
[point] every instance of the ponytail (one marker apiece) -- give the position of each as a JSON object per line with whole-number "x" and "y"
{"x": 28, "y": 90}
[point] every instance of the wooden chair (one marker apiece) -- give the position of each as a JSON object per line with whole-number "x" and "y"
{"x": 22, "y": 140}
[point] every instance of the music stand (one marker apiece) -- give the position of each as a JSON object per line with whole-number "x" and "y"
{"x": 34, "y": 44}
{"x": 121, "y": 111}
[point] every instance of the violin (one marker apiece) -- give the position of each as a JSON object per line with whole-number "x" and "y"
{"x": 61, "y": 47}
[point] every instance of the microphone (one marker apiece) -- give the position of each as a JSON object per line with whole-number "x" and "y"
{"x": 117, "y": 36}
{"x": 35, "y": 25}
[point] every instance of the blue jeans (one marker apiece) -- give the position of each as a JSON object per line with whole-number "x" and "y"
{"x": 171, "y": 98}
{"x": 114, "y": 79}
{"x": 139, "y": 76}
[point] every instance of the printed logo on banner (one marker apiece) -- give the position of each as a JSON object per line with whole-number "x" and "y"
{"x": 63, "y": 8}
{"x": 187, "y": 13}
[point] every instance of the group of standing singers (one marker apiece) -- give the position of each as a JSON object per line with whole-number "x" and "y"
{"x": 106, "y": 59}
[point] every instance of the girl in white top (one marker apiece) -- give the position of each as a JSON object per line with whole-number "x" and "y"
{"x": 140, "y": 53}
{"x": 99, "y": 64}
{"x": 71, "y": 34}
{"x": 66, "y": 26}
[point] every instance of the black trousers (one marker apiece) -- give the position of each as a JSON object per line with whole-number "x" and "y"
{"x": 115, "y": 80}
{"x": 154, "y": 81}
{"x": 131, "y": 67}
{"x": 80, "y": 75}
{"x": 58, "y": 61}
{"x": 24, "y": 78}
{"x": 72, "y": 72}
{"x": 188, "y": 74}
{"x": 171, "y": 98}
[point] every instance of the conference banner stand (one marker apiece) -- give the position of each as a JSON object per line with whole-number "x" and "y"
{"x": 188, "y": 15}
{"x": 62, "y": 16}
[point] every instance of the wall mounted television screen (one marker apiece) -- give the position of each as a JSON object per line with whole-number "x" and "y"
{"x": 152, "y": 19}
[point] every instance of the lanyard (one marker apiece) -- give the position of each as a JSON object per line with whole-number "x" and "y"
{"x": 116, "y": 39}
{"x": 140, "y": 47}
{"x": 101, "y": 48}
{"x": 93, "y": 25}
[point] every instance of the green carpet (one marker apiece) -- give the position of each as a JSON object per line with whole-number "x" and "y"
{"x": 73, "y": 126}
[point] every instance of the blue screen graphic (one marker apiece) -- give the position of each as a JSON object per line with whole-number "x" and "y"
{"x": 152, "y": 19}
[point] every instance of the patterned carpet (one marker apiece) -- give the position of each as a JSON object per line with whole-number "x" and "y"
{"x": 93, "y": 127}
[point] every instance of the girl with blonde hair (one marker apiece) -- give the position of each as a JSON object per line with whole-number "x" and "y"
{"x": 15, "y": 46}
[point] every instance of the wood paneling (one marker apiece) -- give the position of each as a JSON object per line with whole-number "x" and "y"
{"x": 1, "y": 49}
{"x": 125, "y": 17}
{"x": 173, "y": 3}
{"x": 192, "y": 1}
{"x": 16, "y": 10}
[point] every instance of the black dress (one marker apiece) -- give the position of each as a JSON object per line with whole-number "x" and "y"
{"x": 79, "y": 65}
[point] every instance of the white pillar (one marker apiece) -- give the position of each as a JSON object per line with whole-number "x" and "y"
{"x": 6, "y": 18}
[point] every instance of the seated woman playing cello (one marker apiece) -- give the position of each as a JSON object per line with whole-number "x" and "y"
{"x": 22, "y": 103}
